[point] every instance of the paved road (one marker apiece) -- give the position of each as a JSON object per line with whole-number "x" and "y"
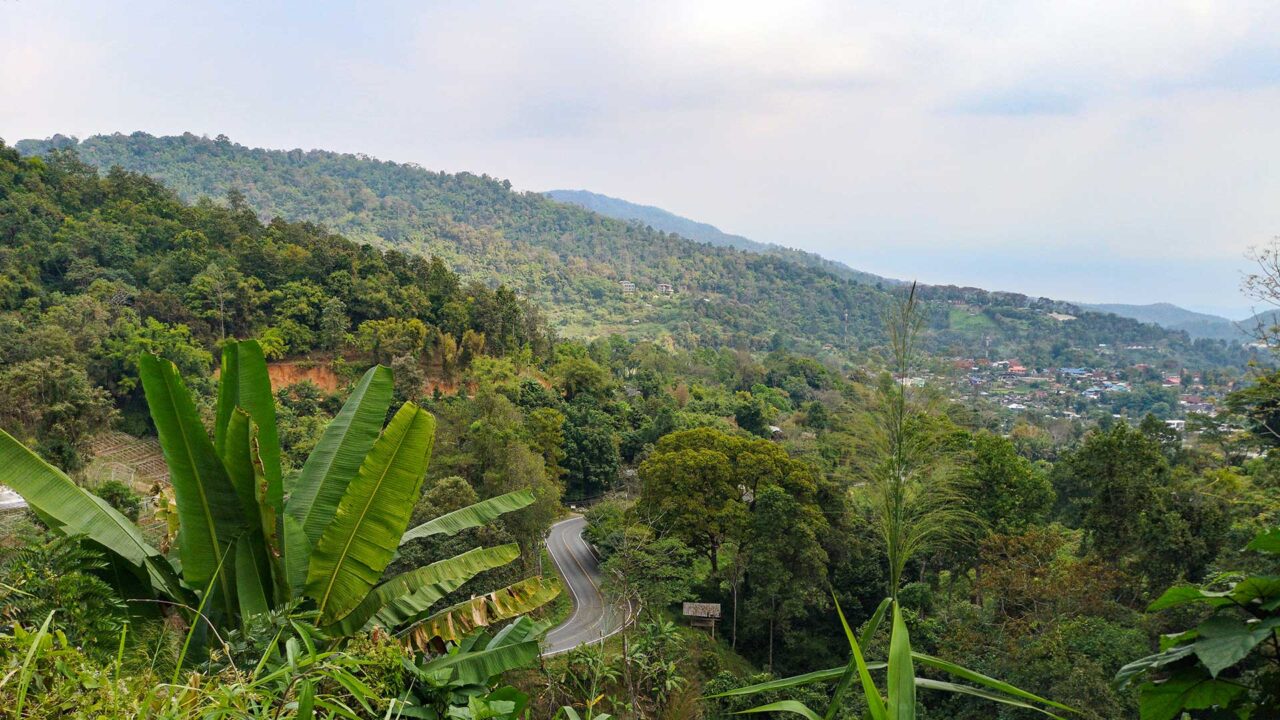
{"x": 593, "y": 619}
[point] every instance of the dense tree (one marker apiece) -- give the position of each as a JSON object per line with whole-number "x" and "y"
{"x": 786, "y": 577}
{"x": 591, "y": 452}
{"x": 1009, "y": 493}
{"x": 52, "y": 404}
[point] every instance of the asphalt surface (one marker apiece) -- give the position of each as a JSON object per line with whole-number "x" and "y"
{"x": 593, "y": 618}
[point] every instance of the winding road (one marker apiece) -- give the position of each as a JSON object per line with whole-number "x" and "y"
{"x": 593, "y": 619}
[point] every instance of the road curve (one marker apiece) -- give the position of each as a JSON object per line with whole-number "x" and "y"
{"x": 593, "y": 619}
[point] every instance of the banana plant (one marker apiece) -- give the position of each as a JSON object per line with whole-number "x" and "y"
{"x": 898, "y": 701}
{"x": 246, "y": 545}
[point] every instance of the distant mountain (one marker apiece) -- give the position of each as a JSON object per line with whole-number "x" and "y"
{"x": 596, "y": 276}
{"x": 659, "y": 219}
{"x": 1172, "y": 317}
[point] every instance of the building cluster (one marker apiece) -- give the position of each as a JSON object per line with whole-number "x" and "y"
{"x": 1071, "y": 392}
{"x": 629, "y": 288}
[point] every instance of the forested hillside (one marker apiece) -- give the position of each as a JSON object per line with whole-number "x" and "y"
{"x": 572, "y": 261}
{"x": 94, "y": 271}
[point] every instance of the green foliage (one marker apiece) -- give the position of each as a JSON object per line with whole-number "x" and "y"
{"x": 1227, "y": 662}
{"x": 1009, "y": 493}
{"x": 1119, "y": 487}
{"x": 240, "y": 542}
{"x": 121, "y": 497}
{"x": 51, "y": 404}
{"x": 46, "y": 574}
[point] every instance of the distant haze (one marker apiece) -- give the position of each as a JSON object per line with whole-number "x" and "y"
{"x": 1106, "y": 152}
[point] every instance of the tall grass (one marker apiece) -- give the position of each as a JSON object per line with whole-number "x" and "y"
{"x": 911, "y": 493}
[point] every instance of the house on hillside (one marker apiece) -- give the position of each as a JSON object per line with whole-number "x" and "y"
{"x": 628, "y": 287}
{"x": 665, "y": 289}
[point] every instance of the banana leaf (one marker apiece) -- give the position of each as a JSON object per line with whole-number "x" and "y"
{"x": 250, "y": 589}
{"x": 245, "y": 384}
{"x": 404, "y": 597}
{"x": 237, "y": 458}
{"x": 442, "y": 578}
{"x": 357, "y": 545}
{"x": 72, "y": 510}
{"x": 477, "y": 667}
{"x": 451, "y": 624}
{"x": 330, "y": 467}
{"x": 208, "y": 508}
{"x": 471, "y": 516}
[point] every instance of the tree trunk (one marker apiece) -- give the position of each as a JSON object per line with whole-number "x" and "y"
{"x": 772, "y": 608}
{"x": 735, "y": 612}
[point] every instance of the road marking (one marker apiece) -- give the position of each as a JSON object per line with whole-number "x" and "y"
{"x": 628, "y": 614}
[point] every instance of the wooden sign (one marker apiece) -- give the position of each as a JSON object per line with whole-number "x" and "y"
{"x": 702, "y": 610}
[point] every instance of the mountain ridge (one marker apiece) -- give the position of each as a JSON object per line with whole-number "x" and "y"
{"x": 667, "y": 221}
{"x": 598, "y": 276}
{"x": 1173, "y": 317}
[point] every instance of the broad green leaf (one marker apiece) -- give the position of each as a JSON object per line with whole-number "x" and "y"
{"x": 966, "y": 674}
{"x": 237, "y": 457}
{"x": 1188, "y": 690}
{"x": 524, "y": 628}
{"x": 980, "y": 692}
{"x": 1267, "y": 542}
{"x": 475, "y": 668}
{"x": 1174, "y": 639}
{"x": 355, "y": 548}
{"x": 250, "y": 588}
{"x": 902, "y": 677}
{"x": 873, "y": 624}
{"x": 1226, "y": 640}
{"x": 1183, "y": 594}
{"x": 811, "y": 678}
{"x": 71, "y": 510}
{"x": 795, "y": 707}
{"x": 245, "y": 384}
{"x": 455, "y": 622}
{"x": 330, "y": 467}
{"x": 1263, "y": 588}
{"x": 875, "y": 704}
{"x": 1150, "y": 662}
{"x": 452, "y": 573}
{"x": 407, "y": 596}
{"x": 208, "y": 507}
{"x": 471, "y": 516}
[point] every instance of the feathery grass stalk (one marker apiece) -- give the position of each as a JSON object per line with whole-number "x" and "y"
{"x": 914, "y": 496}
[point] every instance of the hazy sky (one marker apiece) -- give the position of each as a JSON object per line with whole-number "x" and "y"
{"x": 1096, "y": 151}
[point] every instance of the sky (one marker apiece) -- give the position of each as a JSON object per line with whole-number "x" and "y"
{"x": 1097, "y": 151}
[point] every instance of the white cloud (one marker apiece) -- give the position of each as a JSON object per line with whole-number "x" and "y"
{"x": 887, "y": 134}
